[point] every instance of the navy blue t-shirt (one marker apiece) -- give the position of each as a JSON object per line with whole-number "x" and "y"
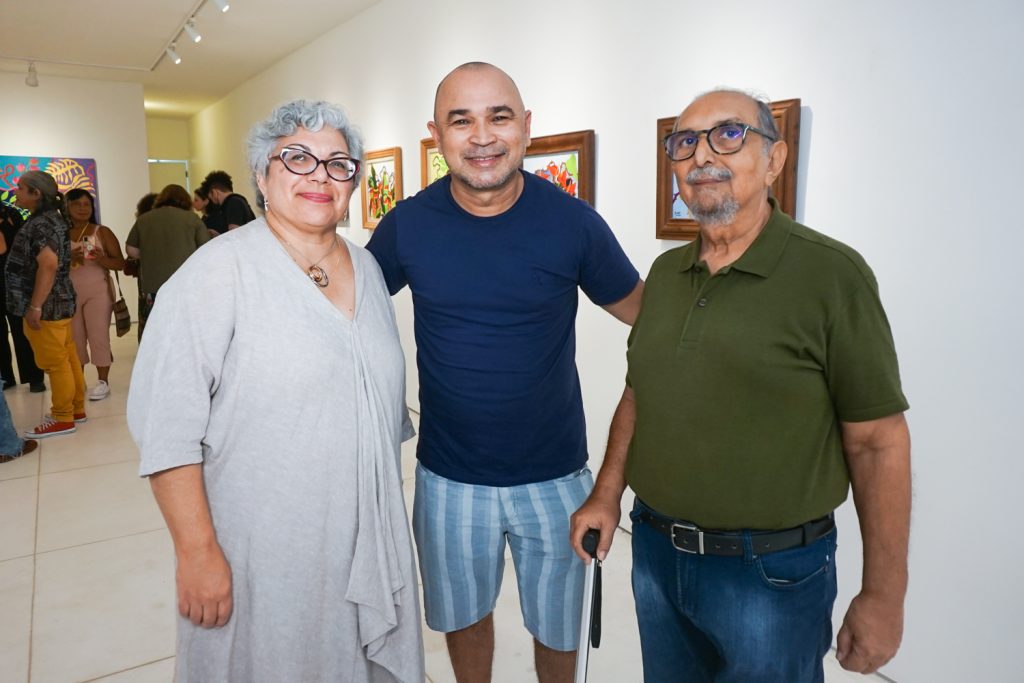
{"x": 495, "y": 304}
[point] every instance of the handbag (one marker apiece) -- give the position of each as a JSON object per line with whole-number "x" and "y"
{"x": 122, "y": 318}
{"x": 131, "y": 267}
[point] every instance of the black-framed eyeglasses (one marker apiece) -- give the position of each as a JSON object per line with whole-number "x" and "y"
{"x": 301, "y": 162}
{"x": 727, "y": 138}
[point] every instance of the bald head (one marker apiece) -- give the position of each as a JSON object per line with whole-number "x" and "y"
{"x": 474, "y": 72}
{"x": 482, "y": 130}
{"x": 720, "y": 186}
{"x": 756, "y": 109}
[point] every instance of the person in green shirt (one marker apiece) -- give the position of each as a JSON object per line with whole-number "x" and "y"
{"x": 162, "y": 239}
{"x": 762, "y": 384}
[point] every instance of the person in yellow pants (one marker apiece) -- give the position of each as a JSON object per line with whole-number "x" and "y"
{"x": 54, "y": 347}
{"x": 39, "y": 289}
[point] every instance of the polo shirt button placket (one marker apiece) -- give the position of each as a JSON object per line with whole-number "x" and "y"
{"x": 694, "y": 323}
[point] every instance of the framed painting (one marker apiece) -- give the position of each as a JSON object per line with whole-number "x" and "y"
{"x": 381, "y": 185}
{"x": 673, "y": 219}
{"x": 567, "y": 160}
{"x": 69, "y": 173}
{"x": 432, "y": 163}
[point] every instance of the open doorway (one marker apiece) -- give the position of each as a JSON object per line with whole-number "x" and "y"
{"x": 164, "y": 172}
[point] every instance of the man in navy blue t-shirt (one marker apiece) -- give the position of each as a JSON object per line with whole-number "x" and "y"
{"x": 494, "y": 258}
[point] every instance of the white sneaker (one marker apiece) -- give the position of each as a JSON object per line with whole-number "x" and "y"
{"x": 100, "y": 391}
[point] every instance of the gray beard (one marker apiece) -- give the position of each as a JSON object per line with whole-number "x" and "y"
{"x": 722, "y": 213}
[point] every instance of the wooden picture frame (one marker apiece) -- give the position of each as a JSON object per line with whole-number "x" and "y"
{"x": 552, "y": 157}
{"x": 381, "y": 185}
{"x": 432, "y": 164}
{"x": 671, "y": 227}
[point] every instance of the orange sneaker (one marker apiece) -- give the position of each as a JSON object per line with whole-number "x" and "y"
{"x": 79, "y": 418}
{"x": 50, "y": 427}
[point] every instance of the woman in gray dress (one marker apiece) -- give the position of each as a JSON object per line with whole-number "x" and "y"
{"x": 269, "y": 407}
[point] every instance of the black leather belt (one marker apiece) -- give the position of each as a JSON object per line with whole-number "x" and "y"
{"x": 689, "y": 538}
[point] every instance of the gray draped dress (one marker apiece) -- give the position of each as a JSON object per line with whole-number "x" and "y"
{"x": 296, "y": 414}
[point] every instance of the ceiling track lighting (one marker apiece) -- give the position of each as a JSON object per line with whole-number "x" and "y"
{"x": 190, "y": 30}
{"x": 32, "y": 79}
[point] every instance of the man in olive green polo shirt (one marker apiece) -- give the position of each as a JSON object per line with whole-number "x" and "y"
{"x": 762, "y": 383}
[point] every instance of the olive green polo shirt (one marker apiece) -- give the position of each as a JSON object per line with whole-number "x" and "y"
{"x": 741, "y": 379}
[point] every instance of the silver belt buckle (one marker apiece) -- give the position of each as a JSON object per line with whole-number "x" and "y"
{"x": 688, "y": 527}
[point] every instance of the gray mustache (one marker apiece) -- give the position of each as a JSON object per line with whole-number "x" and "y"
{"x": 709, "y": 173}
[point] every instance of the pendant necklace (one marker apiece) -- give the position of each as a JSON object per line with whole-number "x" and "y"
{"x": 314, "y": 272}
{"x": 81, "y": 238}
{"x": 81, "y": 231}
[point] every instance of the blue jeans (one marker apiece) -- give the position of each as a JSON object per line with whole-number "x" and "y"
{"x": 750, "y": 619}
{"x": 10, "y": 442}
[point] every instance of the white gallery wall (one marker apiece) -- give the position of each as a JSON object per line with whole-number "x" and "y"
{"x": 89, "y": 119}
{"x": 911, "y": 151}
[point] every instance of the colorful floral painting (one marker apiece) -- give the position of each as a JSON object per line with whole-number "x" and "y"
{"x": 560, "y": 169}
{"x": 432, "y": 164}
{"x": 380, "y": 189}
{"x": 68, "y": 172}
{"x": 437, "y": 167}
{"x": 382, "y": 184}
{"x": 566, "y": 160}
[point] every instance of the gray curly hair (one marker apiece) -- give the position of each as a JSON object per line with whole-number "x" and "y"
{"x": 285, "y": 120}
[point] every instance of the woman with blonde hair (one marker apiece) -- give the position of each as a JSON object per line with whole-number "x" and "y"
{"x": 39, "y": 290}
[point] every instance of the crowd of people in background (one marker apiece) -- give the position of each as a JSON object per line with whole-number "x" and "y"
{"x": 57, "y": 273}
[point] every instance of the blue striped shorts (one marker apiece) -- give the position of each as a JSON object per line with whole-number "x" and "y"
{"x": 461, "y": 531}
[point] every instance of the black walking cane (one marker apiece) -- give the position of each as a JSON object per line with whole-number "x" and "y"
{"x": 590, "y": 619}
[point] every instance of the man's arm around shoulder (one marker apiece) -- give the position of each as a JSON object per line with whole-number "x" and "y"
{"x": 878, "y": 458}
{"x": 627, "y": 308}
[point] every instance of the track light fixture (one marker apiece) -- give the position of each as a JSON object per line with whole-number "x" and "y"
{"x": 190, "y": 30}
{"x": 32, "y": 79}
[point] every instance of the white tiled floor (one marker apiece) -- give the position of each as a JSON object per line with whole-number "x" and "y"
{"x": 86, "y": 576}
